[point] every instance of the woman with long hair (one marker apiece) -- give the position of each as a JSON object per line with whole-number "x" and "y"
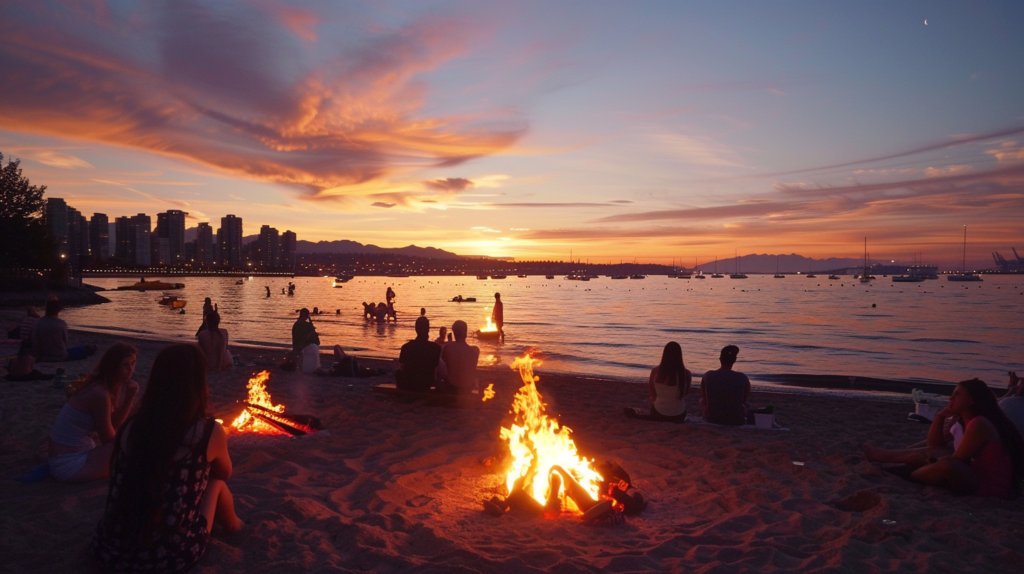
{"x": 98, "y": 405}
{"x": 669, "y": 384}
{"x": 167, "y": 473}
{"x": 213, "y": 341}
{"x": 990, "y": 458}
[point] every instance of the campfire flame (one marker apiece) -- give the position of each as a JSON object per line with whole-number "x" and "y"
{"x": 537, "y": 443}
{"x": 258, "y": 396}
{"x": 488, "y": 393}
{"x": 491, "y": 327}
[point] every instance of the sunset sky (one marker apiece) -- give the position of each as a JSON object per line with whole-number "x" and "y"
{"x": 616, "y": 130}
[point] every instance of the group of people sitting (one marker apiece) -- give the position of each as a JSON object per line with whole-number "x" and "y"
{"x": 167, "y": 463}
{"x": 43, "y": 339}
{"x": 974, "y": 444}
{"x": 445, "y": 365}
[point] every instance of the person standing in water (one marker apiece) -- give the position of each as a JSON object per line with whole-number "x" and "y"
{"x": 268, "y": 290}
{"x": 498, "y": 316}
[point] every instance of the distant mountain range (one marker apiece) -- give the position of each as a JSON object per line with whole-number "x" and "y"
{"x": 791, "y": 263}
{"x": 346, "y": 246}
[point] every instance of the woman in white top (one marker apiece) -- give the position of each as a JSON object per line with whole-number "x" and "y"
{"x": 669, "y": 383}
{"x": 97, "y": 406}
{"x": 213, "y": 341}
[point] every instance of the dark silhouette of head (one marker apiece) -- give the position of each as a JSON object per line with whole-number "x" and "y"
{"x": 497, "y": 296}
{"x": 459, "y": 328}
{"x": 422, "y": 328}
{"x": 303, "y": 314}
{"x": 53, "y": 307}
{"x": 728, "y": 355}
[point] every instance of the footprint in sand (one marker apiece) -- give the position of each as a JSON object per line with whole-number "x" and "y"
{"x": 419, "y": 501}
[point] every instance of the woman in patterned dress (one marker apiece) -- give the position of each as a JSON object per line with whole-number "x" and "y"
{"x": 167, "y": 473}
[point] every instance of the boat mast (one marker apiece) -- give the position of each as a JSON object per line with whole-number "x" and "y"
{"x": 963, "y": 265}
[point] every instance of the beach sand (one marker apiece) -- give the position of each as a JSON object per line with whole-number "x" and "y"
{"x": 395, "y": 486}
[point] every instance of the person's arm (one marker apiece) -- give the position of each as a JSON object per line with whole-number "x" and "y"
{"x": 704, "y": 388}
{"x": 685, "y": 383}
{"x": 217, "y": 453}
{"x": 650, "y": 385}
{"x": 99, "y": 408}
{"x": 746, "y": 390}
{"x": 979, "y": 432}
{"x": 937, "y": 432}
{"x": 117, "y": 418}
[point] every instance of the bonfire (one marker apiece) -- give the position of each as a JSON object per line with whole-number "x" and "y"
{"x": 546, "y": 473}
{"x": 262, "y": 416}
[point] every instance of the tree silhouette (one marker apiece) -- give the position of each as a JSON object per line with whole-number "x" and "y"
{"x": 25, "y": 242}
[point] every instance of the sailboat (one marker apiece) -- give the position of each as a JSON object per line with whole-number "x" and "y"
{"x": 716, "y": 274}
{"x": 964, "y": 275}
{"x": 699, "y": 273}
{"x": 737, "y": 274}
{"x": 777, "y": 274}
{"x": 865, "y": 277}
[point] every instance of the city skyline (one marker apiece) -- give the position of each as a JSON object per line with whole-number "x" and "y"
{"x": 656, "y": 132}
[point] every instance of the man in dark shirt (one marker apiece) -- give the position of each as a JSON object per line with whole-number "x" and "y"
{"x": 417, "y": 360}
{"x": 724, "y": 392}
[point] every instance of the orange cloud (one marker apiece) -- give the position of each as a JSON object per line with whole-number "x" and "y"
{"x": 232, "y": 93}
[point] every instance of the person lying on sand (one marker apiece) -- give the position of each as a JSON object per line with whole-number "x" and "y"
{"x": 669, "y": 384}
{"x": 346, "y": 365}
{"x": 97, "y": 406}
{"x": 989, "y": 460}
{"x": 170, "y": 464}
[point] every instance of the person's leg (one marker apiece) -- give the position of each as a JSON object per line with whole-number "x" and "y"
{"x": 218, "y": 505}
{"x": 911, "y": 456}
{"x": 949, "y": 472}
{"x": 97, "y": 465}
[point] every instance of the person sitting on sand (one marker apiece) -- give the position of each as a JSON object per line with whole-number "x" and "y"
{"x": 168, "y": 473}
{"x": 724, "y": 392}
{"x": 50, "y": 338}
{"x": 460, "y": 358}
{"x": 1012, "y": 402}
{"x": 989, "y": 460}
{"x": 303, "y": 332}
{"x": 213, "y": 342}
{"x": 97, "y": 406}
{"x": 22, "y": 367}
{"x": 669, "y": 384}
{"x": 418, "y": 360}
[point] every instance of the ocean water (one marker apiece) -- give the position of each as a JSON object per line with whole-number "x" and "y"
{"x": 936, "y": 331}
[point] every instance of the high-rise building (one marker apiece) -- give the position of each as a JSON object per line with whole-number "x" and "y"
{"x": 170, "y": 225}
{"x": 288, "y": 241}
{"x": 122, "y": 244}
{"x": 56, "y": 216}
{"x": 159, "y": 251}
{"x": 205, "y": 256}
{"x": 78, "y": 236}
{"x": 229, "y": 236}
{"x": 99, "y": 231}
{"x": 139, "y": 232}
{"x": 268, "y": 248}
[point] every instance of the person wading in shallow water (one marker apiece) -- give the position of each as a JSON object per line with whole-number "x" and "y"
{"x": 498, "y": 316}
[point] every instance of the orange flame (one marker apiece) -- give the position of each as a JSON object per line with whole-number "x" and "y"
{"x": 488, "y": 393}
{"x": 491, "y": 327}
{"x": 538, "y": 443}
{"x": 259, "y": 396}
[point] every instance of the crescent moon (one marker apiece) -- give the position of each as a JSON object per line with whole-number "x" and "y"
{"x": 926, "y": 22}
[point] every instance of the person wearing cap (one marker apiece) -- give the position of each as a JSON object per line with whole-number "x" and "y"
{"x": 50, "y": 337}
{"x": 724, "y": 392}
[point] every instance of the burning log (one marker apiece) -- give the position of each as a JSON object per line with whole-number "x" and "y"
{"x": 262, "y": 416}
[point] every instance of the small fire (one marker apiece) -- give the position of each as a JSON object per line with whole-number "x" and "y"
{"x": 258, "y": 396}
{"x": 488, "y": 393}
{"x": 537, "y": 443}
{"x": 490, "y": 328}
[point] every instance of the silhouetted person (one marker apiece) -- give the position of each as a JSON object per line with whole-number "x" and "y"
{"x": 498, "y": 315}
{"x": 50, "y": 337}
{"x": 460, "y": 359}
{"x": 724, "y": 392}
{"x": 417, "y": 360}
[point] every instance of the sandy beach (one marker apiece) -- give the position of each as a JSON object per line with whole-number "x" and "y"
{"x": 396, "y": 485}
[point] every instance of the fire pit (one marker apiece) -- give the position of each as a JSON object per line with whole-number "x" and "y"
{"x": 546, "y": 474}
{"x": 489, "y": 331}
{"x": 262, "y": 416}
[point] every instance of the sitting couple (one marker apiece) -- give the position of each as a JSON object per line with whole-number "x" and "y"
{"x": 723, "y": 392}
{"x": 422, "y": 363}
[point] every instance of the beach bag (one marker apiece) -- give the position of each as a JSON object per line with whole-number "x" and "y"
{"x": 310, "y": 358}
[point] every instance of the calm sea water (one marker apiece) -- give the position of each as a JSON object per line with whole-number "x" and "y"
{"x": 931, "y": 331}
